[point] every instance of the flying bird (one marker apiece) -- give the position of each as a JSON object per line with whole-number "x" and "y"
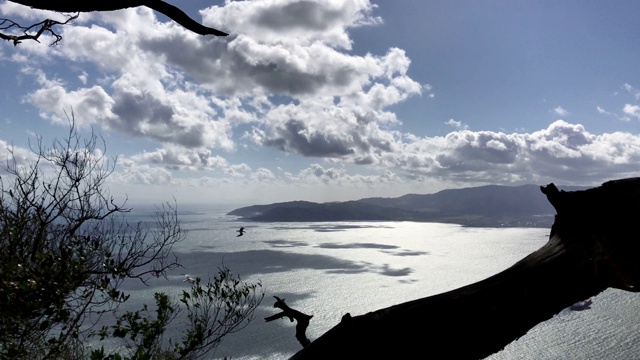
{"x": 240, "y": 232}
{"x": 189, "y": 279}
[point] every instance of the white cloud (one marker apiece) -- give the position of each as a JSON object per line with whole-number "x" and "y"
{"x": 238, "y": 170}
{"x": 180, "y": 158}
{"x": 262, "y": 175}
{"x": 293, "y": 21}
{"x": 56, "y": 103}
{"x": 630, "y": 89}
{"x": 83, "y": 77}
{"x": 286, "y": 79}
{"x": 428, "y": 89}
{"x": 225, "y": 81}
{"x": 27, "y": 14}
{"x": 559, "y": 110}
{"x": 321, "y": 128}
{"x": 170, "y": 117}
{"x": 632, "y": 111}
{"x": 457, "y": 124}
{"x": 562, "y": 152}
{"x": 8, "y": 151}
{"x": 144, "y": 175}
{"x": 623, "y": 117}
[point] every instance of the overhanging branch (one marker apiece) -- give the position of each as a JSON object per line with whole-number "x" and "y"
{"x": 75, "y": 6}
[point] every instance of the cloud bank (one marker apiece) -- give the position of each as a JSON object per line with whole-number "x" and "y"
{"x": 286, "y": 82}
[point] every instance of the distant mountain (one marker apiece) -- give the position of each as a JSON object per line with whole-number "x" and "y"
{"x": 492, "y": 206}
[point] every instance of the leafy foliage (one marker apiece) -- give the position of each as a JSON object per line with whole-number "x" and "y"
{"x": 66, "y": 248}
{"x": 208, "y": 313}
{"x": 223, "y": 306}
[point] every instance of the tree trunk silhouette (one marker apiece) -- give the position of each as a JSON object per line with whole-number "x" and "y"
{"x": 592, "y": 246}
{"x": 73, "y": 6}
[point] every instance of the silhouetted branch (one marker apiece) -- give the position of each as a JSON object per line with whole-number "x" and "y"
{"x": 301, "y": 319}
{"x": 74, "y": 6}
{"x": 31, "y": 32}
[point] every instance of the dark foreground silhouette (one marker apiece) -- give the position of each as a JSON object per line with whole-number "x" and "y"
{"x": 593, "y": 245}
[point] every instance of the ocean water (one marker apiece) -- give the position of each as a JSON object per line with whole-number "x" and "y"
{"x": 328, "y": 269}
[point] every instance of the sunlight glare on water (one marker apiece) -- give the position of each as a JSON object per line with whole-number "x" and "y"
{"x": 329, "y": 269}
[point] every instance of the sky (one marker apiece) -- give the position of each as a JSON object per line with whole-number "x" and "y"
{"x": 327, "y": 100}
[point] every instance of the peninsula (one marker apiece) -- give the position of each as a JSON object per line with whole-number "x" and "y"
{"x": 483, "y": 206}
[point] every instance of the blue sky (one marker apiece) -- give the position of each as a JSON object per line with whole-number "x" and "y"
{"x": 335, "y": 100}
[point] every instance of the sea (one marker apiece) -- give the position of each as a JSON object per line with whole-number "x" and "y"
{"x": 327, "y": 269}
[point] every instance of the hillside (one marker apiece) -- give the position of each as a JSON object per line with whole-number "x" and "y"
{"x": 492, "y": 206}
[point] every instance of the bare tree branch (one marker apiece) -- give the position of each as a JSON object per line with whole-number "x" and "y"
{"x": 74, "y": 6}
{"x": 301, "y": 318}
{"x": 32, "y": 32}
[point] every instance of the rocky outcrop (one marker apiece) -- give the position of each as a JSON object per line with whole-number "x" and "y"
{"x": 593, "y": 245}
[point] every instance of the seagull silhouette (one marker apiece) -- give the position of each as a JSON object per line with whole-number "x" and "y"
{"x": 240, "y": 232}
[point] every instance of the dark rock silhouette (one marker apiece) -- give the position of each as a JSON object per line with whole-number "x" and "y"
{"x": 592, "y": 246}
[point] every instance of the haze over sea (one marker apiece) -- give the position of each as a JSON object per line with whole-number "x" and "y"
{"x": 327, "y": 269}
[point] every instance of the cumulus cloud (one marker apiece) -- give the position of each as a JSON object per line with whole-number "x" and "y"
{"x": 321, "y": 128}
{"x": 169, "y": 117}
{"x": 262, "y": 175}
{"x": 25, "y": 13}
{"x": 295, "y": 135}
{"x": 56, "y": 103}
{"x": 180, "y": 158}
{"x": 144, "y": 175}
{"x": 561, "y": 152}
{"x": 318, "y": 174}
{"x": 299, "y": 21}
{"x": 287, "y": 80}
{"x": 224, "y": 83}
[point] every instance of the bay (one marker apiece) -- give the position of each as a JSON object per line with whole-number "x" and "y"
{"x": 330, "y": 268}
